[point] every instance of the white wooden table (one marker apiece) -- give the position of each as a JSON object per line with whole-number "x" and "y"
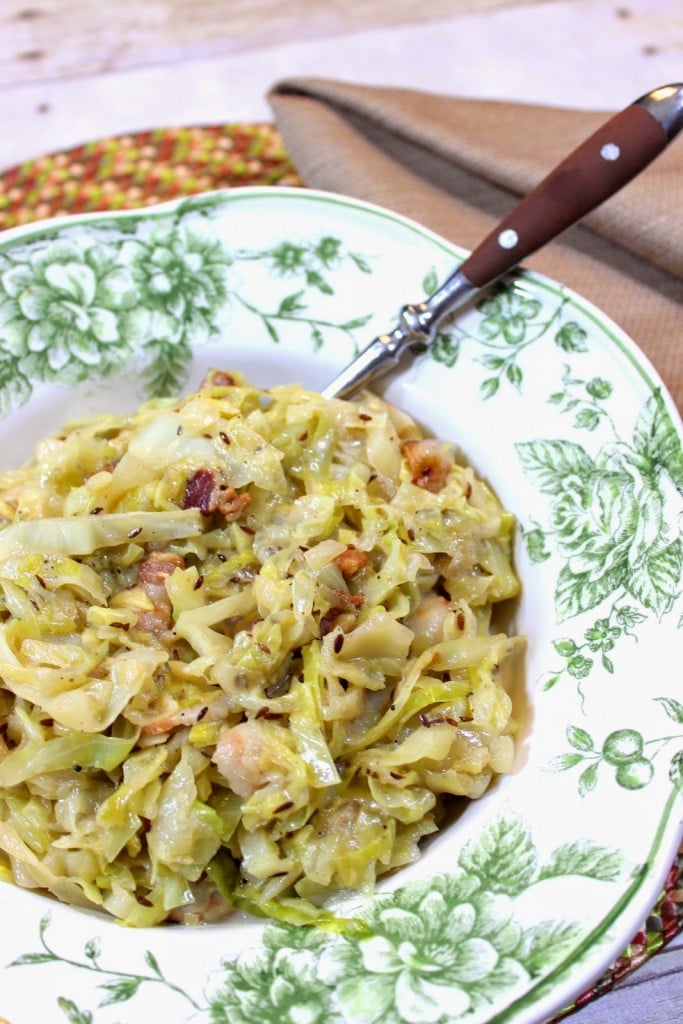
{"x": 74, "y": 71}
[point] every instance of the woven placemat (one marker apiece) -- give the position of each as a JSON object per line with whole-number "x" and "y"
{"x": 152, "y": 167}
{"x": 143, "y": 169}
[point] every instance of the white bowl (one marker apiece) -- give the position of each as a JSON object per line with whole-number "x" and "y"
{"x": 514, "y": 910}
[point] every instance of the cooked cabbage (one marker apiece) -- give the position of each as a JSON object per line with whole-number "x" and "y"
{"x": 246, "y": 653}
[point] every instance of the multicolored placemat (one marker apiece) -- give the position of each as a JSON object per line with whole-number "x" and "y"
{"x": 167, "y": 163}
{"x": 143, "y": 169}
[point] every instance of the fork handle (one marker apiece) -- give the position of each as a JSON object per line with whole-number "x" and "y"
{"x": 599, "y": 167}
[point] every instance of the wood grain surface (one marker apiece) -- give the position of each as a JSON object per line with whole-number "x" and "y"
{"x": 72, "y": 70}
{"x": 43, "y": 40}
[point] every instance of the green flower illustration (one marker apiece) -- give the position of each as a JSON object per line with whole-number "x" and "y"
{"x": 436, "y": 954}
{"x": 585, "y": 398}
{"x": 507, "y": 314}
{"x": 182, "y": 281}
{"x": 180, "y": 274}
{"x": 602, "y": 636}
{"x": 278, "y": 986}
{"x": 447, "y": 947}
{"x": 608, "y": 523}
{"x": 288, "y": 258}
{"x": 329, "y": 251}
{"x": 511, "y": 321}
{"x": 80, "y": 307}
{"x": 67, "y": 309}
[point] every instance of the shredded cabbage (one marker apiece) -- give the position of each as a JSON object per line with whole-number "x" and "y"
{"x": 247, "y": 658}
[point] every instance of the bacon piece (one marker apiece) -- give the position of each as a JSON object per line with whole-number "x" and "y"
{"x": 351, "y": 561}
{"x": 202, "y": 491}
{"x": 220, "y": 379}
{"x": 347, "y": 600}
{"x": 152, "y": 576}
{"x": 216, "y": 710}
{"x": 427, "y": 462}
{"x": 231, "y": 504}
{"x": 249, "y": 757}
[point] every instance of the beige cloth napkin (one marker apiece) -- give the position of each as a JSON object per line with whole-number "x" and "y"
{"x": 458, "y": 165}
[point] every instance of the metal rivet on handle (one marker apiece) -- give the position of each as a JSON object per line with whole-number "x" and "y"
{"x": 610, "y": 151}
{"x": 508, "y": 239}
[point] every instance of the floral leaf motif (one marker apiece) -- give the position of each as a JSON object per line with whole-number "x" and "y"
{"x": 445, "y": 349}
{"x": 587, "y": 419}
{"x": 650, "y": 532}
{"x": 316, "y": 280}
{"x": 328, "y": 251}
{"x": 72, "y": 1013}
{"x": 167, "y": 368}
{"x": 506, "y": 976}
{"x": 549, "y": 463}
{"x": 676, "y": 769}
{"x": 120, "y": 990}
{"x": 430, "y": 282}
{"x": 503, "y": 857}
{"x": 14, "y": 386}
{"x": 271, "y": 331}
{"x": 627, "y": 616}
{"x": 153, "y": 963}
{"x": 579, "y": 592}
{"x": 656, "y": 438}
{"x": 624, "y": 752}
{"x": 535, "y": 540}
{"x": 657, "y": 580}
{"x": 584, "y": 858}
{"x": 489, "y": 387}
{"x": 361, "y": 263}
{"x": 563, "y": 762}
{"x": 291, "y": 304}
{"x": 673, "y": 708}
{"x": 546, "y": 943}
{"x": 571, "y": 337}
{"x": 28, "y": 959}
{"x": 515, "y": 375}
{"x": 599, "y": 388}
{"x": 580, "y": 739}
{"x": 92, "y": 950}
{"x": 76, "y": 307}
{"x": 359, "y": 321}
{"x": 588, "y": 779}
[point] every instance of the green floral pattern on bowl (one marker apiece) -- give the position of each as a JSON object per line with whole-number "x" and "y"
{"x": 512, "y": 910}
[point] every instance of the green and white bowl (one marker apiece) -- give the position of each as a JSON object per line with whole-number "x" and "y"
{"x": 518, "y": 906}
